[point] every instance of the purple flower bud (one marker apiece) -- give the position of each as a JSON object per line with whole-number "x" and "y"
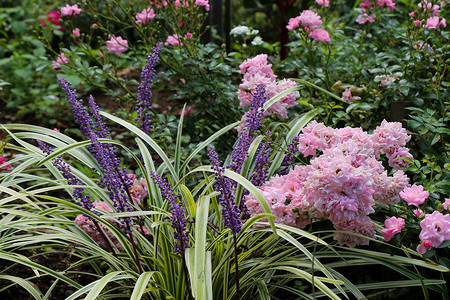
{"x": 144, "y": 90}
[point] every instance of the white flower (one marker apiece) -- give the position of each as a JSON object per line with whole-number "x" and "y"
{"x": 240, "y": 30}
{"x": 257, "y": 41}
{"x": 254, "y": 32}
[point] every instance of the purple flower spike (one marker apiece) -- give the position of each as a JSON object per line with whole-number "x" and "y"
{"x": 178, "y": 219}
{"x": 144, "y": 90}
{"x": 115, "y": 177}
{"x": 230, "y": 210}
{"x": 252, "y": 122}
{"x": 262, "y": 160}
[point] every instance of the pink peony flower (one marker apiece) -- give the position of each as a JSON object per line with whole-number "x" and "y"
{"x": 424, "y": 247}
{"x": 144, "y": 16}
{"x": 324, "y": 3}
{"x": 392, "y": 225}
{"x": 70, "y": 10}
{"x": 76, "y": 32}
{"x": 320, "y": 35}
{"x": 117, "y": 45}
{"x": 435, "y": 228}
{"x": 309, "y": 19}
{"x": 173, "y": 40}
{"x": 446, "y": 203}
{"x": 414, "y": 195}
{"x": 62, "y": 59}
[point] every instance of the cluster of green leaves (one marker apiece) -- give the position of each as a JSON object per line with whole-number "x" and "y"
{"x": 28, "y": 84}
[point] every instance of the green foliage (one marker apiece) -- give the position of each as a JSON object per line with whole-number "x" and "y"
{"x": 22, "y": 64}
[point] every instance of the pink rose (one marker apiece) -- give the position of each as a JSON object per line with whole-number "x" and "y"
{"x": 414, "y": 195}
{"x": 144, "y": 16}
{"x": 173, "y": 40}
{"x": 117, "y": 45}
{"x": 435, "y": 228}
{"x": 62, "y": 59}
{"x": 418, "y": 212}
{"x": 446, "y": 203}
{"x": 424, "y": 247}
{"x": 320, "y": 35}
{"x": 392, "y": 225}
{"x": 70, "y": 10}
{"x": 76, "y": 32}
{"x": 53, "y": 18}
{"x": 324, "y": 3}
{"x": 204, "y": 3}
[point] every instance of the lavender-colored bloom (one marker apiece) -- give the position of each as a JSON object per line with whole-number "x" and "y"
{"x": 114, "y": 178}
{"x": 290, "y": 156}
{"x": 178, "y": 219}
{"x": 262, "y": 160}
{"x": 252, "y": 123}
{"x": 144, "y": 90}
{"x": 230, "y": 211}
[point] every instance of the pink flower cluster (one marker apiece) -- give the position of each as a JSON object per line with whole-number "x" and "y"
{"x": 309, "y": 20}
{"x": 144, "y": 16}
{"x": 257, "y": 71}
{"x": 138, "y": 190}
{"x": 69, "y": 10}
{"x": 435, "y": 230}
{"x": 174, "y": 40}
{"x": 159, "y": 3}
{"x": 367, "y": 6}
{"x": 390, "y": 139}
{"x": 429, "y": 11}
{"x": 385, "y": 79}
{"x": 61, "y": 59}
{"x": 117, "y": 45}
{"x": 88, "y": 226}
{"x": 341, "y": 185}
